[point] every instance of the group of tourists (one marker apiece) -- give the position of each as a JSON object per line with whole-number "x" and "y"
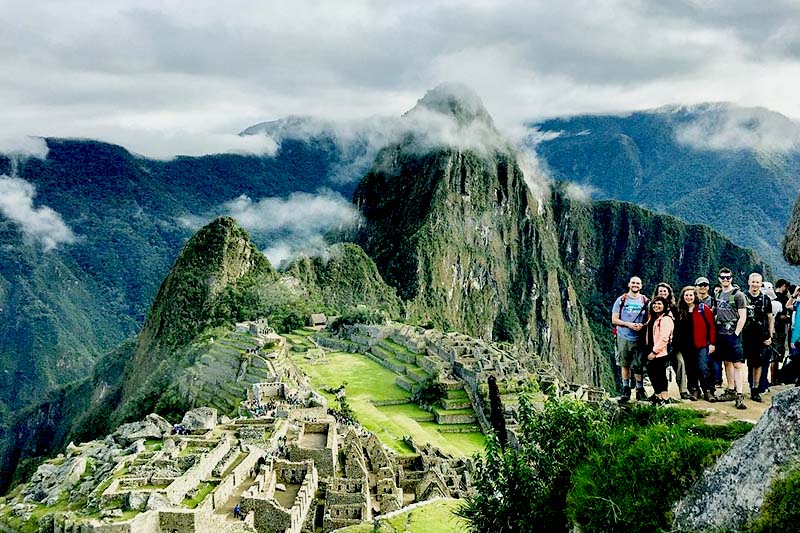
{"x": 747, "y": 333}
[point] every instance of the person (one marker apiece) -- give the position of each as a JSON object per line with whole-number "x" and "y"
{"x": 782, "y": 321}
{"x": 694, "y": 337}
{"x": 771, "y": 352}
{"x": 658, "y": 335}
{"x": 758, "y": 330}
{"x": 237, "y": 511}
{"x": 709, "y": 300}
{"x": 628, "y": 316}
{"x": 664, "y": 290}
{"x": 731, "y": 306}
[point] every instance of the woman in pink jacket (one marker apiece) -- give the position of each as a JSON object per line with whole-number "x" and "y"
{"x": 658, "y": 336}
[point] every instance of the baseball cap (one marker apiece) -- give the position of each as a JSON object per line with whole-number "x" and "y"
{"x": 700, "y": 280}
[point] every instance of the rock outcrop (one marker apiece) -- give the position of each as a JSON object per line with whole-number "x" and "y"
{"x": 732, "y": 492}
{"x": 791, "y": 244}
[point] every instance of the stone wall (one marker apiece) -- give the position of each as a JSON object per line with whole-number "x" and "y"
{"x": 183, "y": 520}
{"x": 177, "y": 490}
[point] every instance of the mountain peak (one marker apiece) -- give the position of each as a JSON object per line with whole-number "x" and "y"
{"x": 455, "y": 100}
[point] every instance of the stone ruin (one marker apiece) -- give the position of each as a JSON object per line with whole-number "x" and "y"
{"x": 296, "y": 473}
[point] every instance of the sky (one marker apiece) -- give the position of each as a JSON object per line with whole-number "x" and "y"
{"x": 166, "y": 78}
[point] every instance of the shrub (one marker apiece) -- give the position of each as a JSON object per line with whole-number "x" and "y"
{"x": 524, "y": 489}
{"x": 631, "y": 482}
{"x": 780, "y": 508}
{"x": 431, "y": 393}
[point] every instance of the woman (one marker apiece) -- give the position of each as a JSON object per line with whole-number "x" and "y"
{"x": 658, "y": 336}
{"x": 695, "y": 335}
{"x": 664, "y": 290}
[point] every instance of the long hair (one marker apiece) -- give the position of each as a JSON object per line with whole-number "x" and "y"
{"x": 683, "y": 307}
{"x": 670, "y": 298}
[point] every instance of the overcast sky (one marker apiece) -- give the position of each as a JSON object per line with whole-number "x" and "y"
{"x": 185, "y": 77}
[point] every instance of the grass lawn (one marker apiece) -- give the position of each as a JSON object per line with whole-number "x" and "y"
{"x": 437, "y": 516}
{"x": 366, "y": 381}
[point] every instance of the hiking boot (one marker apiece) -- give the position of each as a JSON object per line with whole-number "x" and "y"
{"x": 755, "y": 395}
{"x": 709, "y": 396}
{"x": 626, "y": 394}
{"x": 684, "y": 396}
{"x": 641, "y": 396}
{"x": 739, "y": 402}
{"x": 695, "y": 395}
{"x": 727, "y": 396}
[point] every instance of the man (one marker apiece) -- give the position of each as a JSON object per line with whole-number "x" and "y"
{"x": 703, "y": 297}
{"x": 782, "y": 320}
{"x": 758, "y": 330}
{"x": 702, "y": 286}
{"x": 731, "y": 306}
{"x": 628, "y": 315}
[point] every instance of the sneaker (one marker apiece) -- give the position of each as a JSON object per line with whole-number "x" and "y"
{"x": 755, "y": 395}
{"x": 671, "y": 400}
{"x": 709, "y": 396}
{"x": 684, "y": 396}
{"x": 626, "y": 394}
{"x": 696, "y": 395}
{"x": 728, "y": 396}
{"x": 739, "y": 402}
{"x": 641, "y": 395}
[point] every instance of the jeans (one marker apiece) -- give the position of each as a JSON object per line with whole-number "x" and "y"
{"x": 705, "y": 370}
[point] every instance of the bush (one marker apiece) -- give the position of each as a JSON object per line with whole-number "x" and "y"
{"x": 780, "y": 508}
{"x": 577, "y": 467}
{"x": 525, "y": 489}
{"x": 631, "y": 482}
{"x": 431, "y": 393}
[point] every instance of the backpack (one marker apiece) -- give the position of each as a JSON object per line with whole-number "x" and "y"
{"x": 622, "y": 305}
{"x": 756, "y": 312}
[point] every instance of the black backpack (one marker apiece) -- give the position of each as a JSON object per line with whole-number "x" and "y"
{"x": 757, "y": 313}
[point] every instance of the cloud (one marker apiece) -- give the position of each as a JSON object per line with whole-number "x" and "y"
{"x": 579, "y": 192}
{"x": 23, "y": 146}
{"x": 292, "y": 225}
{"x": 124, "y": 70}
{"x": 38, "y": 224}
{"x": 725, "y": 127}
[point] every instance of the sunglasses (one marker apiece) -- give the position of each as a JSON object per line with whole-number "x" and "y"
{"x": 725, "y": 277}
{"x": 702, "y": 284}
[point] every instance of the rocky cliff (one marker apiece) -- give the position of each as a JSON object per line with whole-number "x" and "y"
{"x": 791, "y": 243}
{"x": 452, "y": 225}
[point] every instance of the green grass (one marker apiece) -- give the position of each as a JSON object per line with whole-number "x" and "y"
{"x": 398, "y": 347}
{"x": 440, "y": 411}
{"x": 457, "y": 394}
{"x": 368, "y": 380}
{"x": 437, "y": 516}
{"x": 203, "y": 490}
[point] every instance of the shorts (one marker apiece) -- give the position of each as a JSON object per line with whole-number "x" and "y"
{"x": 729, "y": 348}
{"x": 755, "y": 353}
{"x": 628, "y": 353}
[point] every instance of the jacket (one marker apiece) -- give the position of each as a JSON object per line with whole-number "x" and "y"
{"x": 705, "y": 332}
{"x": 662, "y": 335}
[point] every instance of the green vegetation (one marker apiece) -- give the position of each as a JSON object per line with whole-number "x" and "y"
{"x": 199, "y": 494}
{"x": 436, "y": 516}
{"x": 780, "y": 507}
{"x": 563, "y": 474}
{"x": 369, "y": 382}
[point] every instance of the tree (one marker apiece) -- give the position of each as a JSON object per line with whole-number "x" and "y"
{"x": 497, "y": 415}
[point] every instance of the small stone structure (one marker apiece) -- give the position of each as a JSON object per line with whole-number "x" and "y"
{"x": 285, "y": 510}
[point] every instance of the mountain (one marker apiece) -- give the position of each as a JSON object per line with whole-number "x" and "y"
{"x": 734, "y": 169}
{"x": 791, "y": 243}
{"x": 64, "y": 307}
{"x": 188, "y": 353}
{"x": 456, "y": 230}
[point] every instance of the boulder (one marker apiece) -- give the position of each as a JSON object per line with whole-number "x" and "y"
{"x": 732, "y": 491}
{"x": 51, "y": 480}
{"x": 200, "y": 418}
{"x": 157, "y": 501}
{"x": 160, "y": 422}
{"x": 136, "y": 501}
{"x": 129, "y": 433}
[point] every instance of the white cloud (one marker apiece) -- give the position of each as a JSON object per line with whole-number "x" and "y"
{"x": 724, "y": 127}
{"x": 580, "y": 192}
{"x": 292, "y": 225}
{"x": 38, "y": 224}
{"x": 122, "y": 70}
{"x": 23, "y": 146}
